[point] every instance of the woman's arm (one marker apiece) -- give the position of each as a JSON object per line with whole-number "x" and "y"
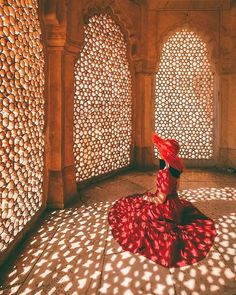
{"x": 158, "y": 198}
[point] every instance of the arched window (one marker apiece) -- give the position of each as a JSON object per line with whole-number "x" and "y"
{"x": 184, "y": 95}
{"x": 103, "y": 101}
{"x": 21, "y": 117}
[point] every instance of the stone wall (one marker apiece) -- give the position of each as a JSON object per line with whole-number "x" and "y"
{"x": 215, "y": 22}
{"x": 146, "y": 25}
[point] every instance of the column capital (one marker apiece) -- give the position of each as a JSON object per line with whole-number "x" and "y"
{"x": 145, "y": 66}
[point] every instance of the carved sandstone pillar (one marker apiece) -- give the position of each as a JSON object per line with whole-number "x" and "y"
{"x": 145, "y": 92}
{"x": 64, "y": 39}
{"x": 54, "y": 129}
{"x": 228, "y": 87}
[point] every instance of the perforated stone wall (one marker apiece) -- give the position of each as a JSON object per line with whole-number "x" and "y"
{"x": 103, "y": 101}
{"x": 21, "y": 116}
{"x": 184, "y": 95}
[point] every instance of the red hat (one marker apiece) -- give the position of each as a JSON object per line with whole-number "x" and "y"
{"x": 169, "y": 149}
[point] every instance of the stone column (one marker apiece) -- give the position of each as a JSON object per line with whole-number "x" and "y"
{"x": 145, "y": 92}
{"x": 54, "y": 128}
{"x": 228, "y": 87}
{"x": 68, "y": 172}
{"x": 64, "y": 39}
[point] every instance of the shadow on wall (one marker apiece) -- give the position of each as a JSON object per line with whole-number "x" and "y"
{"x": 73, "y": 252}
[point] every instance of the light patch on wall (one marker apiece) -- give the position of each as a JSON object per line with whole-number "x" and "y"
{"x": 103, "y": 101}
{"x": 184, "y": 95}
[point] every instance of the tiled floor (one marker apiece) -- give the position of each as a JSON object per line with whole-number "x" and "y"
{"x": 73, "y": 252}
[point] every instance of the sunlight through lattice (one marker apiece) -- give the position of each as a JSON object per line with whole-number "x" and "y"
{"x": 21, "y": 116}
{"x": 74, "y": 250}
{"x": 184, "y": 95}
{"x": 103, "y": 103}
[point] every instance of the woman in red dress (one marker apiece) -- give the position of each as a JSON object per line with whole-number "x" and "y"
{"x": 164, "y": 228}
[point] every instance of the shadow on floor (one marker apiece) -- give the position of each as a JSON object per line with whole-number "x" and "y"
{"x": 73, "y": 252}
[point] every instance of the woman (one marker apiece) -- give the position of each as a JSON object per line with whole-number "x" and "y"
{"x": 161, "y": 226}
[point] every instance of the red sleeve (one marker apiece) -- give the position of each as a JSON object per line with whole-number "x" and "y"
{"x": 163, "y": 182}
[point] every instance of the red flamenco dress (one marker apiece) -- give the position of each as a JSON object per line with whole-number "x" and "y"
{"x": 174, "y": 233}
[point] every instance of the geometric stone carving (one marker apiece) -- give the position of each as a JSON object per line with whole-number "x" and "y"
{"x": 184, "y": 95}
{"x": 103, "y": 101}
{"x": 21, "y": 117}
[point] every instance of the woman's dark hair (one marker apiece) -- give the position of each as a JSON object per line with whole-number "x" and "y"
{"x": 174, "y": 172}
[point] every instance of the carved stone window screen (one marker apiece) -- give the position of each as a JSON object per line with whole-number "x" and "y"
{"x": 184, "y": 95}
{"x": 103, "y": 101}
{"x": 21, "y": 116}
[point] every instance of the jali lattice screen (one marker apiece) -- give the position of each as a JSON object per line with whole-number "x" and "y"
{"x": 184, "y": 95}
{"x": 21, "y": 116}
{"x": 103, "y": 102}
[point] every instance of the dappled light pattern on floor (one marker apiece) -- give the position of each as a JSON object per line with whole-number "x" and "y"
{"x": 72, "y": 251}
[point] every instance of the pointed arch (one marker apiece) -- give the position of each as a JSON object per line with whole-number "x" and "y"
{"x": 185, "y": 93}
{"x": 121, "y": 18}
{"x": 103, "y": 101}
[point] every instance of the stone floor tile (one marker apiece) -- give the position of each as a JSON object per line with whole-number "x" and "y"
{"x": 215, "y": 208}
{"x": 204, "y": 192}
{"x": 209, "y": 175}
{"x": 72, "y": 262}
{"x": 122, "y": 188}
{"x": 146, "y": 181}
{"x": 127, "y": 273}
{"x": 209, "y": 276}
{"x": 20, "y": 270}
{"x": 95, "y": 195}
{"x": 65, "y": 272}
{"x": 82, "y": 233}
{"x": 129, "y": 175}
{"x": 10, "y": 291}
{"x": 200, "y": 184}
{"x": 112, "y": 246}
{"x": 225, "y": 242}
{"x": 17, "y": 270}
